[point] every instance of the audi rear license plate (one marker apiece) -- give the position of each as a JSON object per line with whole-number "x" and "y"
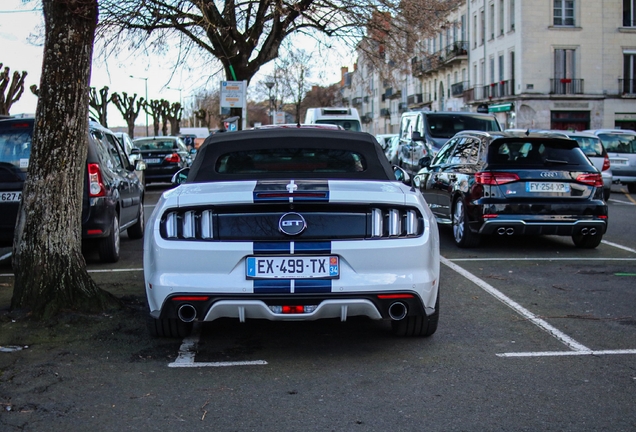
{"x": 292, "y": 267}
{"x": 10, "y": 196}
{"x": 547, "y": 187}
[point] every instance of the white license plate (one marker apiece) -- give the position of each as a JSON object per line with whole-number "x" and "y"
{"x": 292, "y": 267}
{"x": 10, "y": 196}
{"x": 547, "y": 187}
{"x": 153, "y": 161}
{"x": 618, "y": 161}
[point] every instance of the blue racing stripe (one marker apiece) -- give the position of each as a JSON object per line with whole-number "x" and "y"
{"x": 312, "y": 247}
{"x": 313, "y": 286}
{"x": 276, "y": 248}
{"x": 272, "y": 286}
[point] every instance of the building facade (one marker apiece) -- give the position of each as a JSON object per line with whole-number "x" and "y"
{"x": 539, "y": 64}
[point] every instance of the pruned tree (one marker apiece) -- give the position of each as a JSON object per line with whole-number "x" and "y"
{"x": 154, "y": 108}
{"x": 11, "y": 88}
{"x": 129, "y": 108}
{"x": 294, "y": 73}
{"x": 165, "y": 108}
{"x": 246, "y": 35}
{"x": 173, "y": 113}
{"x": 98, "y": 102}
{"x": 50, "y": 270}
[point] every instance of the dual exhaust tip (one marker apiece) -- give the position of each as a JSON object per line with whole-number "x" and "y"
{"x": 588, "y": 231}
{"x": 505, "y": 231}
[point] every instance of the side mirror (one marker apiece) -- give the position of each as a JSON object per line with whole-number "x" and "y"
{"x": 416, "y": 136}
{"x": 135, "y": 151}
{"x": 401, "y": 175}
{"x": 180, "y": 176}
{"x": 140, "y": 165}
{"x": 425, "y": 162}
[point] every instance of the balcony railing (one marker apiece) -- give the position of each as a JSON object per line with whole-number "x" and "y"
{"x": 356, "y": 101}
{"x": 627, "y": 87}
{"x": 423, "y": 66}
{"x": 457, "y": 89}
{"x": 454, "y": 50}
{"x": 566, "y": 86}
{"x": 385, "y": 112}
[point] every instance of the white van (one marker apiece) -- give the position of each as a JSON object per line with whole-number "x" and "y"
{"x": 347, "y": 118}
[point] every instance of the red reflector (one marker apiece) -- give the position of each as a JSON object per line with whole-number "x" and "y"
{"x": 190, "y": 298}
{"x": 490, "y": 216}
{"x": 94, "y": 231}
{"x": 394, "y": 296}
{"x": 602, "y": 217}
{"x": 298, "y": 309}
{"x": 495, "y": 178}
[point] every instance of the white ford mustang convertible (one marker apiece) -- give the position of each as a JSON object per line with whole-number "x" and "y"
{"x": 292, "y": 224}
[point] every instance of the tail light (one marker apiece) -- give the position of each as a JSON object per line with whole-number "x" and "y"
{"x": 594, "y": 179}
{"x": 173, "y": 158}
{"x": 606, "y": 163}
{"x": 395, "y": 223}
{"x": 495, "y": 178}
{"x": 95, "y": 183}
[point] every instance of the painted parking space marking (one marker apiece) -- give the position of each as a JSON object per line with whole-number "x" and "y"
{"x": 576, "y": 348}
{"x": 616, "y": 245}
{"x": 187, "y": 352}
{"x": 617, "y": 201}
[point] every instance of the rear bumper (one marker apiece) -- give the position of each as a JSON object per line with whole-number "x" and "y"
{"x": 543, "y": 227}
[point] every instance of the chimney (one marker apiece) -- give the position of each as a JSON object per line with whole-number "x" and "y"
{"x": 343, "y": 72}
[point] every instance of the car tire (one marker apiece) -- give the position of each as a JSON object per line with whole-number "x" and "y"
{"x": 169, "y": 328}
{"x": 631, "y": 187}
{"x": 109, "y": 246}
{"x": 587, "y": 241}
{"x": 417, "y": 326}
{"x": 606, "y": 194}
{"x": 463, "y": 236}
{"x": 136, "y": 231}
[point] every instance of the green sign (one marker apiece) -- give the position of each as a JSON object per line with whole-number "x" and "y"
{"x": 503, "y": 107}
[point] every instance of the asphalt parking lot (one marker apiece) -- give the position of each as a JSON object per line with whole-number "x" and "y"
{"x": 534, "y": 334}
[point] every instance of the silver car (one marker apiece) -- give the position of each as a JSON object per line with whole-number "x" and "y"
{"x": 621, "y": 149}
{"x": 593, "y": 148}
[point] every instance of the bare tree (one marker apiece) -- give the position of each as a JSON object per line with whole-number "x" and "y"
{"x": 294, "y": 73}
{"x": 50, "y": 271}
{"x": 129, "y": 108}
{"x": 11, "y": 88}
{"x": 245, "y": 35}
{"x": 173, "y": 114}
{"x": 154, "y": 108}
{"x": 99, "y": 104}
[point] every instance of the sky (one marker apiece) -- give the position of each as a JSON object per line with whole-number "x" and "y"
{"x": 21, "y": 50}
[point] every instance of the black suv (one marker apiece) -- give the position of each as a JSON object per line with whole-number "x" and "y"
{"x": 506, "y": 184}
{"x": 113, "y": 197}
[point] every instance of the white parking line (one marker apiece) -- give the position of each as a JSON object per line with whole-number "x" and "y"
{"x": 621, "y": 201}
{"x": 616, "y": 245}
{"x": 188, "y": 349}
{"x": 567, "y": 340}
{"x": 576, "y": 347}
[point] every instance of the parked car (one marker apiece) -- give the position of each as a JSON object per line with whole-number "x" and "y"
{"x": 292, "y": 224}
{"x": 621, "y": 149}
{"x": 132, "y": 153}
{"x": 164, "y": 156}
{"x": 348, "y": 118}
{"x": 391, "y": 150}
{"x": 383, "y": 139}
{"x": 485, "y": 183}
{"x": 594, "y": 149}
{"x": 113, "y": 197}
{"x": 423, "y": 133}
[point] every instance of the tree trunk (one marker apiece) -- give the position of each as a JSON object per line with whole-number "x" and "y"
{"x": 50, "y": 271}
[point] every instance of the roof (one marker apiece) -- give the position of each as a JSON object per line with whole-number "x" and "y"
{"x": 217, "y": 145}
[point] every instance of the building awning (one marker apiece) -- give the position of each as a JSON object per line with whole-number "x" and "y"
{"x": 502, "y": 107}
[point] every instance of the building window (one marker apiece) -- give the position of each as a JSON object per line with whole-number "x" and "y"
{"x": 501, "y": 16}
{"x": 512, "y": 14}
{"x": 629, "y": 73}
{"x": 564, "y": 63}
{"x": 491, "y": 21}
{"x": 475, "y": 31}
{"x": 629, "y": 20}
{"x": 564, "y": 12}
{"x": 482, "y": 27}
{"x": 501, "y": 68}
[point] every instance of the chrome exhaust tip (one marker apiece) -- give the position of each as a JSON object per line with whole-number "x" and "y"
{"x": 397, "y": 311}
{"x": 585, "y": 231}
{"x": 592, "y": 231}
{"x": 187, "y": 313}
{"x": 501, "y": 231}
{"x": 510, "y": 231}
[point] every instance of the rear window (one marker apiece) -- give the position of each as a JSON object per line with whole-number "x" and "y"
{"x": 353, "y": 125}
{"x": 619, "y": 143}
{"x": 447, "y": 125}
{"x": 536, "y": 153}
{"x": 591, "y": 146}
{"x": 15, "y": 146}
{"x": 157, "y": 144}
{"x": 292, "y": 161}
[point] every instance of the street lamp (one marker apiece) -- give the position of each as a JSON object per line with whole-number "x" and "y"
{"x": 146, "y": 82}
{"x": 269, "y": 85}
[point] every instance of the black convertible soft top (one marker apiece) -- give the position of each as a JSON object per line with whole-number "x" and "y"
{"x": 216, "y": 148}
